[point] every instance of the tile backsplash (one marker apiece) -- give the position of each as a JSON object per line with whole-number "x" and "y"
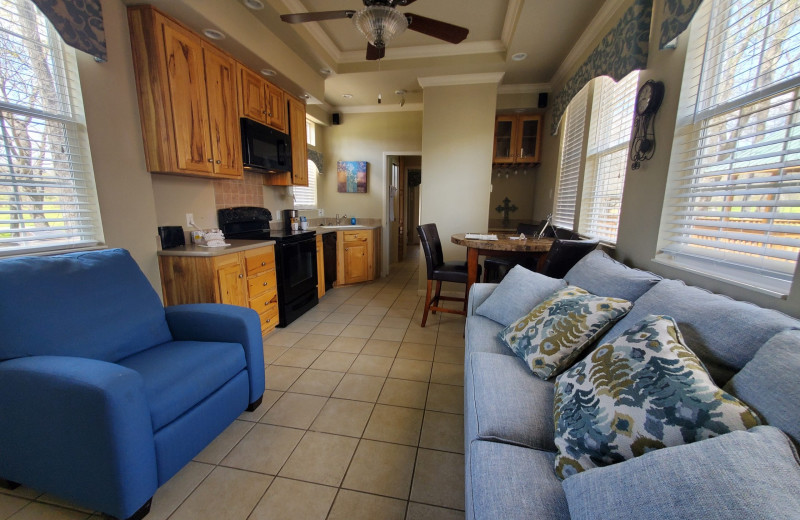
{"x": 234, "y": 192}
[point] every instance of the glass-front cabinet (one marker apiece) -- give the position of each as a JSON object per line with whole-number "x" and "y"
{"x": 517, "y": 139}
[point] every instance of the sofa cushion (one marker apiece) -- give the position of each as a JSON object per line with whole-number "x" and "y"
{"x": 724, "y": 333}
{"x": 96, "y": 305}
{"x": 520, "y": 291}
{"x": 642, "y": 392}
{"x": 752, "y": 474}
{"x": 556, "y": 331}
{"x": 511, "y": 482}
{"x": 179, "y": 374}
{"x": 769, "y": 382}
{"x": 600, "y": 274}
{"x": 481, "y": 336}
{"x": 509, "y": 404}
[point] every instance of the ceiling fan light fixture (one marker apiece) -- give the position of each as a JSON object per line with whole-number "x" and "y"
{"x": 379, "y": 24}
{"x": 255, "y": 5}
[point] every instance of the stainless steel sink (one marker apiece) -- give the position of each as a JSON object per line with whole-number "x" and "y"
{"x": 343, "y": 226}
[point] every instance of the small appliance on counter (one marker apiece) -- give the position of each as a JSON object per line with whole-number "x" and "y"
{"x": 171, "y": 236}
{"x": 291, "y": 219}
{"x": 295, "y": 256}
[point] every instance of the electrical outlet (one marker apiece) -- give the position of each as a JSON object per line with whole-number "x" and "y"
{"x": 190, "y": 220}
{"x": 320, "y": 212}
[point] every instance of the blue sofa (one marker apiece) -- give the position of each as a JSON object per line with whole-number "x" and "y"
{"x": 753, "y": 353}
{"x": 104, "y": 393}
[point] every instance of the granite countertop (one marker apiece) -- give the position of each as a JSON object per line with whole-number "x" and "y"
{"x": 321, "y": 230}
{"x": 234, "y": 247}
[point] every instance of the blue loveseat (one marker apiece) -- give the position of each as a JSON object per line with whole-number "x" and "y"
{"x": 104, "y": 393}
{"x": 751, "y": 352}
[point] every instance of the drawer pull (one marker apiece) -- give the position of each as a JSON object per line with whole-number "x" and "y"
{"x": 265, "y": 284}
{"x": 241, "y": 276}
{"x": 263, "y": 264}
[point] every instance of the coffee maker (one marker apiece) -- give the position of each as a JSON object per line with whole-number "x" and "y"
{"x": 291, "y": 220}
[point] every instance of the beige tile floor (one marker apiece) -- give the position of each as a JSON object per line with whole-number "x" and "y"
{"x": 362, "y": 419}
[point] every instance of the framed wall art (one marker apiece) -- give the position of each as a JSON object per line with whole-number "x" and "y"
{"x": 352, "y": 176}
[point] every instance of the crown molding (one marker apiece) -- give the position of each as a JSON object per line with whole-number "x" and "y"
{"x": 315, "y": 30}
{"x": 369, "y": 109}
{"x": 523, "y": 88}
{"x": 461, "y": 79}
{"x": 589, "y": 36}
{"x": 510, "y": 24}
{"x": 428, "y": 51}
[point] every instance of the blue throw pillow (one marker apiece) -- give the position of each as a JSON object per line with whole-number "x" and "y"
{"x": 520, "y": 291}
{"x": 642, "y": 392}
{"x": 744, "y": 474}
{"x": 600, "y": 274}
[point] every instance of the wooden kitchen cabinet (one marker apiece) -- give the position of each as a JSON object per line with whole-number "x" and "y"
{"x": 517, "y": 139}
{"x": 320, "y": 268}
{"x": 357, "y": 255}
{"x": 187, "y": 98}
{"x": 297, "y": 133}
{"x": 260, "y": 100}
{"x": 246, "y": 278}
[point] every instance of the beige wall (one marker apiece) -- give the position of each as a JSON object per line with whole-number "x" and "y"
{"x": 124, "y": 186}
{"x": 643, "y": 196}
{"x": 457, "y": 137}
{"x": 365, "y": 137}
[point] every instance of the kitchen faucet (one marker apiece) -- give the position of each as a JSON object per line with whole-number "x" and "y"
{"x": 338, "y": 219}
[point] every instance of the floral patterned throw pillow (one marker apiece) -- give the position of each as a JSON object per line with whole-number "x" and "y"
{"x": 552, "y": 335}
{"x": 643, "y": 391}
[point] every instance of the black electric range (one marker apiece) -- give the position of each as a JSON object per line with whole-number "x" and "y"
{"x": 295, "y": 257}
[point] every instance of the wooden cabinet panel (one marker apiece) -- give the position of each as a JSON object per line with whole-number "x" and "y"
{"x": 356, "y": 257}
{"x": 276, "y": 107}
{"x": 230, "y": 280}
{"x": 297, "y": 131}
{"x": 226, "y": 141}
{"x": 187, "y": 98}
{"x": 252, "y": 101}
{"x": 355, "y": 262}
{"x": 517, "y": 139}
{"x": 261, "y": 283}
{"x": 260, "y": 259}
{"x": 187, "y": 88}
{"x": 320, "y": 268}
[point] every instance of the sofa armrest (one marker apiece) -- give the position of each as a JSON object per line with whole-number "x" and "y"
{"x": 478, "y": 294}
{"x": 228, "y": 323}
{"x": 78, "y": 428}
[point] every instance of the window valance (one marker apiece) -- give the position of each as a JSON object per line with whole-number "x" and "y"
{"x": 315, "y": 157}
{"x": 623, "y": 50}
{"x": 676, "y": 18}
{"x": 79, "y": 23}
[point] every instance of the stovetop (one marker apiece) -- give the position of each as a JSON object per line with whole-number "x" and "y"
{"x": 252, "y": 223}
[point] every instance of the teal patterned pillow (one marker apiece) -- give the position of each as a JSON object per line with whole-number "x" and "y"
{"x": 643, "y": 391}
{"x": 551, "y": 336}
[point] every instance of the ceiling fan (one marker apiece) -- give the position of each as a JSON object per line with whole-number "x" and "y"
{"x": 380, "y": 21}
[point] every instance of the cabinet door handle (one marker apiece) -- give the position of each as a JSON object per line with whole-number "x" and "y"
{"x": 265, "y": 284}
{"x": 210, "y": 160}
{"x": 219, "y": 162}
{"x": 241, "y": 276}
{"x": 263, "y": 264}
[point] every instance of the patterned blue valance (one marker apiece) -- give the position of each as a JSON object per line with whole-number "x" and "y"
{"x": 622, "y": 50}
{"x": 677, "y": 15}
{"x": 79, "y": 23}
{"x": 315, "y": 157}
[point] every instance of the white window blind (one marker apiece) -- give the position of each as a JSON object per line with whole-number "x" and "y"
{"x": 47, "y": 193}
{"x": 607, "y": 156}
{"x": 571, "y": 160}
{"x": 733, "y": 202}
{"x": 306, "y": 196}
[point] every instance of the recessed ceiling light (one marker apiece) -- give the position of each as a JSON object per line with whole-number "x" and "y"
{"x": 325, "y": 72}
{"x": 254, "y": 4}
{"x": 306, "y": 96}
{"x": 520, "y": 110}
{"x": 347, "y": 96}
{"x": 214, "y": 34}
{"x": 519, "y": 56}
{"x": 268, "y": 72}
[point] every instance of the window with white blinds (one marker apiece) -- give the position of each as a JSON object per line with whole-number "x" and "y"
{"x": 47, "y": 193}
{"x": 733, "y": 202}
{"x": 569, "y": 171}
{"x": 305, "y": 197}
{"x": 607, "y": 156}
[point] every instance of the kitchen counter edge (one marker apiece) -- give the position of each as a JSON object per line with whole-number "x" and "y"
{"x": 234, "y": 247}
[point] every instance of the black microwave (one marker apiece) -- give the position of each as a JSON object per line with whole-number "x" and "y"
{"x": 264, "y": 148}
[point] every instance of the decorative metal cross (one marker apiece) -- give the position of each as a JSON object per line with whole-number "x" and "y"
{"x": 505, "y": 209}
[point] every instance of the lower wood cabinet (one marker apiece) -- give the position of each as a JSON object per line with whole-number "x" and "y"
{"x": 357, "y": 256}
{"x": 246, "y": 278}
{"x": 320, "y": 268}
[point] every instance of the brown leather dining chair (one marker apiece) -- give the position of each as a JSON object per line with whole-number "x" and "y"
{"x": 440, "y": 271}
{"x": 563, "y": 255}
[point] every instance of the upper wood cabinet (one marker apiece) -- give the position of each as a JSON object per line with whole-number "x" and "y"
{"x": 297, "y": 133}
{"x": 260, "y": 100}
{"x": 517, "y": 139}
{"x": 187, "y": 98}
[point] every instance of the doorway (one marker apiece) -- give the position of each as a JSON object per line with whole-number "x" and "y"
{"x": 401, "y": 202}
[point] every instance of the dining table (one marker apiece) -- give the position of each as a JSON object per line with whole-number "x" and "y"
{"x": 505, "y": 245}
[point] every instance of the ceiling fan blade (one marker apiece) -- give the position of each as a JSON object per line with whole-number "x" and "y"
{"x": 375, "y": 53}
{"x": 438, "y": 29}
{"x": 316, "y": 17}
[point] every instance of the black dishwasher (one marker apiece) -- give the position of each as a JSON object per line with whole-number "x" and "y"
{"x": 329, "y": 254}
